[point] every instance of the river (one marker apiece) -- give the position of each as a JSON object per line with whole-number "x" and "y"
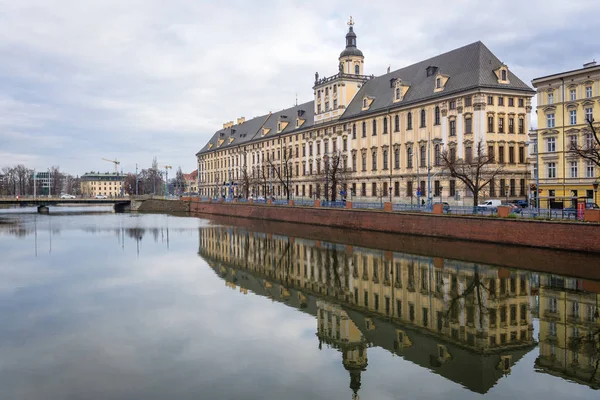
{"x": 101, "y": 305}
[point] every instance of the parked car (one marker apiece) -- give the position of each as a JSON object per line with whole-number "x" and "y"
{"x": 67, "y": 196}
{"x": 101, "y": 196}
{"x": 570, "y": 211}
{"x": 520, "y": 203}
{"x": 260, "y": 198}
{"x": 489, "y": 205}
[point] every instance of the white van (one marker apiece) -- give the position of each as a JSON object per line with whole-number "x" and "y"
{"x": 489, "y": 204}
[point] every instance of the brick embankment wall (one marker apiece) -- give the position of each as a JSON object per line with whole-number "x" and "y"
{"x": 544, "y": 234}
{"x": 162, "y": 206}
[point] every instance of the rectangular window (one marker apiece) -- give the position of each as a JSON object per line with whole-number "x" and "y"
{"x": 511, "y": 102}
{"x": 521, "y": 187}
{"x": 397, "y": 158}
{"x": 437, "y": 188}
{"x": 511, "y": 154}
{"x": 363, "y": 189}
{"x": 573, "y": 167}
{"x": 468, "y": 153}
{"x": 490, "y": 100}
{"x": 409, "y": 158}
{"x": 491, "y": 123}
{"x": 500, "y": 100}
{"x": 573, "y": 117}
{"x": 468, "y": 125}
{"x": 374, "y": 189}
{"x": 374, "y": 161}
{"x": 374, "y": 127}
{"x": 588, "y": 91}
{"x": 453, "y": 104}
{"x": 521, "y": 103}
{"x": 573, "y": 94}
{"x": 551, "y": 170}
{"x": 513, "y": 187}
{"x": 550, "y": 121}
{"x": 551, "y": 98}
{"x": 452, "y": 188}
{"x": 500, "y": 124}
{"x": 396, "y": 188}
{"x": 364, "y": 161}
{"x": 385, "y": 159}
{"x": 589, "y": 114}
{"x": 551, "y": 144}
{"x": 491, "y": 153}
{"x": 590, "y": 169}
{"x": 345, "y": 144}
{"x": 511, "y": 125}
{"x": 502, "y": 187}
{"x": 334, "y": 104}
{"x": 521, "y": 155}
{"x": 468, "y": 101}
{"x": 453, "y": 128}
{"x": 521, "y": 125}
{"x": 501, "y": 154}
{"x": 409, "y": 189}
{"x": 354, "y": 162}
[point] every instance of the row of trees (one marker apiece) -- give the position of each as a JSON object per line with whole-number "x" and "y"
{"x": 19, "y": 180}
{"x": 152, "y": 181}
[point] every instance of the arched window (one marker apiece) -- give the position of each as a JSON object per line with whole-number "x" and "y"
{"x": 396, "y": 123}
{"x": 357, "y": 69}
{"x": 364, "y": 129}
{"x": 374, "y": 127}
{"x": 397, "y": 93}
{"x": 503, "y": 74}
{"x": 385, "y": 123}
{"x": 397, "y": 158}
{"x": 438, "y": 83}
{"x": 353, "y": 131}
{"x": 437, "y": 155}
{"x": 409, "y": 121}
{"x": 423, "y": 118}
{"x": 437, "y": 115}
{"x": 364, "y": 103}
{"x": 423, "y": 156}
{"x": 409, "y": 157}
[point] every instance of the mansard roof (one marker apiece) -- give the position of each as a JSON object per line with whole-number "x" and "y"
{"x": 467, "y": 67}
{"x": 252, "y": 130}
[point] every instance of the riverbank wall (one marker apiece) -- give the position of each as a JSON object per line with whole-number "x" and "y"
{"x": 160, "y": 205}
{"x": 562, "y": 235}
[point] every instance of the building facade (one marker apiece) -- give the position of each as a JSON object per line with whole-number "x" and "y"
{"x": 565, "y": 103}
{"x": 107, "y": 184}
{"x": 385, "y": 135}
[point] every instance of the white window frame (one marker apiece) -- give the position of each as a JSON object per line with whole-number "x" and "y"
{"x": 551, "y": 145}
{"x": 573, "y": 117}
{"x": 550, "y": 120}
{"x": 574, "y": 169}
{"x": 551, "y": 170}
{"x": 588, "y": 92}
{"x": 550, "y": 98}
{"x": 589, "y": 114}
{"x": 573, "y": 94}
{"x": 590, "y": 170}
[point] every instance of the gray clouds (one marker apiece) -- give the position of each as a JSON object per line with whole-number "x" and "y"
{"x": 137, "y": 79}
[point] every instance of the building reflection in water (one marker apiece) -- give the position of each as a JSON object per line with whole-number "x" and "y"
{"x": 467, "y": 322}
{"x": 569, "y": 329}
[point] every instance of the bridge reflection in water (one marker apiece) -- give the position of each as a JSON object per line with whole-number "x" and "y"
{"x": 465, "y": 321}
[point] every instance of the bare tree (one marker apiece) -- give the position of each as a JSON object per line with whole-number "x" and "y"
{"x": 590, "y": 149}
{"x": 246, "y": 180}
{"x": 282, "y": 171}
{"x": 333, "y": 174}
{"x": 474, "y": 171}
{"x": 179, "y": 182}
{"x": 56, "y": 180}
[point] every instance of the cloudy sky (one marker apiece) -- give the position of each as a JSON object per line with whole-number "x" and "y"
{"x": 82, "y": 80}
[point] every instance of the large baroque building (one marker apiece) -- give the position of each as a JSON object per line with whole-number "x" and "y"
{"x": 565, "y": 103}
{"x": 387, "y": 133}
{"x": 106, "y": 184}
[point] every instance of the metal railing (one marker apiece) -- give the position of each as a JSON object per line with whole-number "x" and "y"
{"x": 371, "y": 206}
{"x": 304, "y": 203}
{"x": 280, "y": 202}
{"x": 333, "y": 204}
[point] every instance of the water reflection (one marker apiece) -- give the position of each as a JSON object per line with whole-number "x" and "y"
{"x": 468, "y": 322}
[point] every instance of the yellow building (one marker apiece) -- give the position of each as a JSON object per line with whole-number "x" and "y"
{"x": 569, "y": 329}
{"x": 107, "y": 184}
{"x": 565, "y": 101}
{"x": 385, "y": 133}
{"x": 467, "y": 322}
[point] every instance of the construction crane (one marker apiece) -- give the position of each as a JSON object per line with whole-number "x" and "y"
{"x": 167, "y": 168}
{"x": 116, "y": 162}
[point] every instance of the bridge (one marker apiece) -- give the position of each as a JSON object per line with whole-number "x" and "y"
{"x": 120, "y": 204}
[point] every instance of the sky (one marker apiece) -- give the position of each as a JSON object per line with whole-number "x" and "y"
{"x": 137, "y": 79}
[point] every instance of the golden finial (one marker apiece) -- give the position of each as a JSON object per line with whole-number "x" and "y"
{"x": 351, "y": 22}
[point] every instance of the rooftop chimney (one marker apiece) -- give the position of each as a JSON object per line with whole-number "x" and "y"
{"x": 590, "y": 64}
{"x": 241, "y": 120}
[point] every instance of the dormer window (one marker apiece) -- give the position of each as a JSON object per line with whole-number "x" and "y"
{"x": 438, "y": 83}
{"x": 504, "y": 73}
{"x": 365, "y": 103}
{"x": 398, "y": 93}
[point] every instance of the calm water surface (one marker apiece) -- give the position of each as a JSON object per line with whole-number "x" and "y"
{"x": 120, "y": 306}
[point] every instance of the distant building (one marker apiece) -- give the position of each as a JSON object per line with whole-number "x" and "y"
{"x": 565, "y": 102}
{"x": 191, "y": 181}
{"x": 107, "y": 184}
{"x": 43, "y": 182}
